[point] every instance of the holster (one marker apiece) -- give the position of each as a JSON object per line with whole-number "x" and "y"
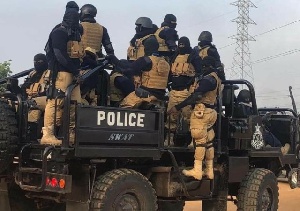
{"x": 52, "y": 92}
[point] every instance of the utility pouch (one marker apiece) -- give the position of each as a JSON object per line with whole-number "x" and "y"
{"x": 142, "y": 93}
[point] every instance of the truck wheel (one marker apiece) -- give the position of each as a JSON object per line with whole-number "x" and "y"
{"x": 258, "y": 191}
{"x": 171, "y": 205}
{"x": 8, "y": 135}
{"x": 123, "y": 189}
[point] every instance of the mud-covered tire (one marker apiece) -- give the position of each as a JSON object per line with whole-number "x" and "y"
{"x": 8, "y": 135}
{"x": 123, "y": 189}
{"x": 171, "y": 205}
{"x": 258, "y": 191}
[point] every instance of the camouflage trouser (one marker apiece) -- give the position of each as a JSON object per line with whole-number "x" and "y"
{"x": 202, "y": 119}
{"x": 133, "y": 101}
{"x": 175, "y": 98}
{"x": 63, "y": 80}
{"x": 34, "y": 114}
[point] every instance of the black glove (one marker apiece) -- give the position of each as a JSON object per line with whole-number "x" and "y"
{"x": 112, "y": 58}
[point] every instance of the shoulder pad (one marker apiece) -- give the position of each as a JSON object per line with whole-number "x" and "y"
{"x": 148, "y": 60}
{"x": 210, "y": 79}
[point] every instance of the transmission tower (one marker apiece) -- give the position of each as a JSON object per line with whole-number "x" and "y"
{"x": 241, "y": 66}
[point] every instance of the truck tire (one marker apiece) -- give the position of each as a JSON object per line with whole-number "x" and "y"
{"x": 171, "y": 205}
{"x": 8, "y": 135}
{"x": 258, "y": 191}
{"x": 123, "y": 189}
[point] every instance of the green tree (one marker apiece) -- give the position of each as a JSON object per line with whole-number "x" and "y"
{"x": 5, "y": 71}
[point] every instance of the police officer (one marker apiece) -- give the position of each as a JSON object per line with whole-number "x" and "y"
{"x": 203, "y": 118}
{"x": 182, "y": 74}
{"x": 154, "y": 71}
{"x": 206, "y": 48}
{"x": 120, "y": 86}
{"x": 35, "y": 86}
{"x": 144, "y": 29}
{"x": 64, "y": 52}
{"x": 167, "y": 36}
{"x": 94, "y": 35}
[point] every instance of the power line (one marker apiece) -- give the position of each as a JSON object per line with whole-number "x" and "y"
{"x": 266, "y": 32}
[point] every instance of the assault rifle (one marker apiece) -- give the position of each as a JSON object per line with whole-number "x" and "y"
{"x": 18, "y": 75}
{"x": 86, "y": 75}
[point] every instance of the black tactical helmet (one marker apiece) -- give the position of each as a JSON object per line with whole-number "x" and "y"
{"x": 144, "y": 22}
{"x": 88, "y": 10}
{"x": 205, "y": 36}
{"x": 244, "y": 96}
{"x": 170, "y": 18}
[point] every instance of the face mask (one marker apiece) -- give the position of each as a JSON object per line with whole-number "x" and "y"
{"x": 40, "y": 65}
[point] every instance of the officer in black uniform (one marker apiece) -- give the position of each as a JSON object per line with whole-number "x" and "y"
{"x": 120, "y": 86}
{"x": 203, "y": 118}
{"x": 64, "y": 53}
{"x": 144, "y": 29}
{"x": 94, "y": 34}
{"x": 154, "y": 71}
{"x": 167, "y": 36}
{"x": 206, "y": 48}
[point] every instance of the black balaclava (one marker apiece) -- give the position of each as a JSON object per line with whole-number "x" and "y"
{"x": 170, "y": 21}
{"x": 71, "y": 23}
{"x": 151, "y": 46}
{"x": 184, "y": 46}
{"x": 204, "y": 43}
{"x": 72, "y": 5}
{"x": 208, "y": 64}
{"x": 40, "y": 62}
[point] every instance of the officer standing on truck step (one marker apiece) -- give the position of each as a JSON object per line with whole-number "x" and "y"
{"x": 94, "y": 34}
{"x": 182, "y": 74}
{"x": 206, "y": 48}
{"x": 35, "y": 86}
{"x": 64, "y": 52}
{"x": 203, "y": 118}
{"x": 167, "y": 36}
{"x": 154, "y": 71}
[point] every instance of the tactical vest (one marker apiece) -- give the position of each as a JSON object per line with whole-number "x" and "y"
{"x": 115, "y": 94}
{"x": 137, "y": 51}
{"x": 157, "y": 77}
{"x": 204, "y": 52}
{"x": 75, "y": 49}
{"x": 92, "y": 35}
{"x": 38, "y": 88}
{"x": 210, "y": 96}
{"x": 162, "y": 44}
{"x": 181, "y": 66}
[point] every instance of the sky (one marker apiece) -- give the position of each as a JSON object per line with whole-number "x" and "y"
{"x": 25, "y": 27}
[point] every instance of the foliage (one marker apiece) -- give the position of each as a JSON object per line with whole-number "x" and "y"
{"x": 5, "y": 71}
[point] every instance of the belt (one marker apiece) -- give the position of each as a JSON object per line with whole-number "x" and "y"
{"x": 209, "y": 106}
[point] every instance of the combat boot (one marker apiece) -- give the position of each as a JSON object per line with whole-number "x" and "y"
{"x": 209, "y": 163}
{"x": 196, "y": 172}
{"x": 48, "y": 136}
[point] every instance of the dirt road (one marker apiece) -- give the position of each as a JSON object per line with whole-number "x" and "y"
{"x": 289, "y": 200}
